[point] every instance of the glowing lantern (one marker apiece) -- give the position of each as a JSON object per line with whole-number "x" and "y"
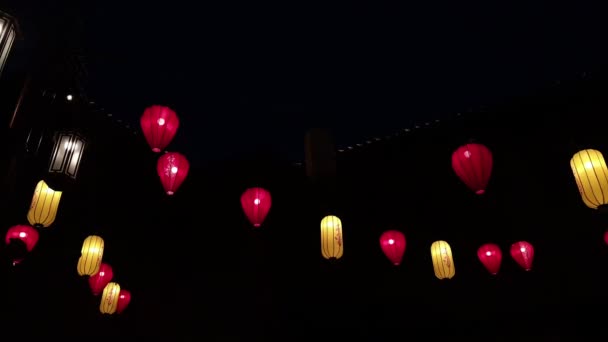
{"x": 472, "y": 163}
{"x": 109, "y": 298}
{"x": 99, "y": 280}
{"x": 172, "y": 168}
{"x": 490, "y": 256}
{"x": 43, "y": 209}
{"x": 8, "y": 33}
{"x": 67, "y": 154}
{"x": 256, "y": 203}
{"x": 332, "y": 246}
{"x": 91, "y": 255}
{"x": 123, "y": 300}
{"x": 443, "y": 262}
{"x": 28, "y": 235}
{"x": 523, "y": 254}
{"x": 392, "y": 243}
{"x": 159, "y": 125}
{"x": 591, "y": 175}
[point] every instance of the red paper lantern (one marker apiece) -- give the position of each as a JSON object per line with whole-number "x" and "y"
{"x": 27, "y": 234}
{"x": 392, "y": 243}
{"x": 490, "y": 256}
{"x": 523, "y": 254}
{"x": 256, "y": 203}
{"x": 606, "y": 237}
{"x": 473, "y": 165}
{"x": 99, "y": 280}
{"x": 172, "y": 168}
{"x": 124, "y": 298}
{"x": 159, "y": 125}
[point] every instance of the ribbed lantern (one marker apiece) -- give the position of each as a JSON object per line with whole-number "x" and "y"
{"x": 332, "y": 246}
{"x": 256, "y": 203}
{"x": 591, "y": 175}
{"x": 124, "y": 298}
{"x": 26, "y": 234}
{"x": 443, "y": 261}
{"x": 45, "y": 202}
{"x": 91, "y": 256}
{"x": 109, "y": 298}
{"x": 392, "y": 243}
{"x": 99, "y": 280}
{"x": 490, "y": 256}
{"x": 172, "y": 168}
{"x": 159, "y": 125}
{"x": 523, "y": 254}
{"x": 472, "y": 163}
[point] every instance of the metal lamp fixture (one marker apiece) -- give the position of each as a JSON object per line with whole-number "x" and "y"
{"x": 8, "y": 33}
{"x": 67, "y": 153}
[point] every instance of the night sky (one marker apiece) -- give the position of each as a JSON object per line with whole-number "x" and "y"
{"x": 256, "y": 76}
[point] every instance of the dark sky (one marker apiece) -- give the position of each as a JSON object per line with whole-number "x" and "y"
{"x": 248, "y": 76}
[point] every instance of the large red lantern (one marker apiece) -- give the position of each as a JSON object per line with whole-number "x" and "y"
{"x": 392, "y": 243}
{"x": 256, "y": 203}
{"x": 24, "y": 233}
{"x": 490, "y": 256}
{"x": 172, "y": 168}
{"x": 473, "y": 165}
{"x": 124, "y": 298}
{"x": 523, "y": 254}
{"x": 159, "y": 125}
{"x": 99, "y": 280}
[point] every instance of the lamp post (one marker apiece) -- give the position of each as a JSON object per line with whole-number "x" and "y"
{"x": 8, "y": 33}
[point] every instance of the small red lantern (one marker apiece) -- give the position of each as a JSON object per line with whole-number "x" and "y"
{"x": 124, "y": 298}
{"x": 172, "y": 168}
{"x": 159, "y": 125}
{"x": 473, "y": 165}
{"x": 256, "y": 203}
{"x": 523, "y": 254}
{"x": 24, "y": 233}
{"x": 392, "y": 243}
{"x": 490, "y": 256}
{"x": 99, "y": 280}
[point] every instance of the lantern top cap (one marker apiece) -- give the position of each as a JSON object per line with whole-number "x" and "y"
{"x": 12, "y": 20}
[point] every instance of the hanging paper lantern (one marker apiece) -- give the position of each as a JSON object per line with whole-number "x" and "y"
{"x": 99, "y": 280}
{"x": 123, "y": 300}
{"x": 256, "y": 203}
{"x": 473, "y": 165}
{"x": 332, "y": 246}
{"x": 523, "y": 254}
{"x": 43, "y": 209}
{"x": 26, "y": 234}
{"x": 91, "y": 255}
{"x": 172, "y": 169}
{"x": 591, "y": 175}
{"x": 606, "y": 237}
{"x": 490, "y": 256}
{"x": 443, "y": 262}
{"x": 109, "y": 298}
{"x": 159, "y": 125}
{"x": 392, "y": 243}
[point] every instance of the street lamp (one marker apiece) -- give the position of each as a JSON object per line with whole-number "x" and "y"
{"x": 8, "y": 33}
{"x": 67, "y": 153}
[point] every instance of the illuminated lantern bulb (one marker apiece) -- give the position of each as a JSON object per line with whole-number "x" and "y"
{"x": 99, "y": 280}
{"x": 523, "y": 254}
{"x": 91, "y": 255}
{"x": 490, "y": 256}
{"x": 124, "y": 298}
{"x": 43, "y": 209}
{"x": 172, "y": 168}
{"x": 256, "y": 203}
{"x": 26, "y": 234}
{"x": 109, "y": 298}
{"x": 443, "y": 261}
{"x": 472, "y": 163}
{"x": 159, "y": 125}
{"x": 332, "y": 246}
{"x": 392, "y": 243}
{"x": 591, "y": 176}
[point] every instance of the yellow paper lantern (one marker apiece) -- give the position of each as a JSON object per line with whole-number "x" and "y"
{"x": 109, "y": 298}
{"x": 443, "y": 262}
{"x": 332, "y": 246}
{"x": 43, "y": 209}
{"x": 591, "y": 175}
{"x": 91, "y": 255}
